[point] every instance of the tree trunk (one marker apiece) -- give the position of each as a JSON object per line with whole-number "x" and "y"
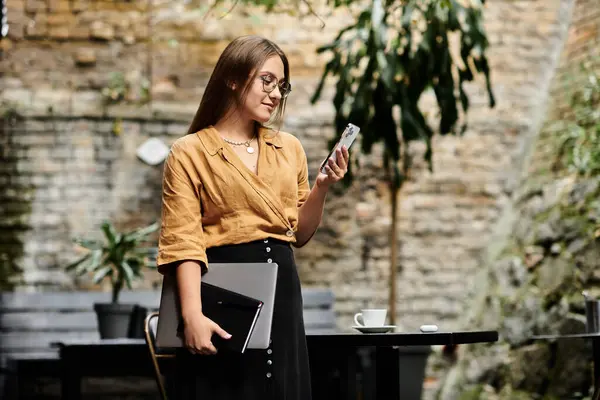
{"x": 117, "y": 286}
{"x": 394, "y": 189}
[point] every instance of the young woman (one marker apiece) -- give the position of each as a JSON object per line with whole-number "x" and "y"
{"x": 237, "y": 191}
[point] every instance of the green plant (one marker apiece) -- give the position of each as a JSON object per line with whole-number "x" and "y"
{"x": 10, "y": 111}
{"x": 579, "y": 147}
{"x": 117, "y": 88}
{"x": 7, "y": 271}
{"x": 120, "y": 257}
{"x": 122, "y": 88}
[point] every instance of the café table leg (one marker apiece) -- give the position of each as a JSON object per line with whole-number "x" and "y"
{"x": 347, "y": 366}
{"x": 21, "y": 386}
{"x": 387, "y": 369}
{"x": 596, "y": 365}
{"x": 368, "y": 368}
{"x": 333, "y": 373}
{"x": 320, "y": 371}
{"x": 71, "y": 378}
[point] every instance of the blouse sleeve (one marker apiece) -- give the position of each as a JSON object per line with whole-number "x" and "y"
{"x": 303, "y": 184}
{"x": 181, "y": 236}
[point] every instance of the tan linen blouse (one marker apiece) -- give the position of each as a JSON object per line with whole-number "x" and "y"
{"x": 210, "y": 198}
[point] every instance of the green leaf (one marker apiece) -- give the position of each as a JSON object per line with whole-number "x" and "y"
{"x": 464, "y": 99}
{"x": 444, "y": 92}
{"x": 88, "y": 244}
{"x": 91, "y": 264}
{"x": 488, "y": 81}
{"x": 453, "y": 21}
{"x": 384, "y": 124}
{"x": 101, "y": 274}
{"x": 407, "y": 13}
{"x": 95, "y": 259}
{"x": 336, "y": 42}
{"x": 77, "y": 262}
{"x": 377, "y": 14}
{"x": 142, "y": 233}
{"x": 83, "y": 268}
{"x": 329, "y": 67}
{"x": 109, "y": 232}
{"x": 136, "y": 265}
{"x": 387, "y": 71}
{"x": 127, "y": 272}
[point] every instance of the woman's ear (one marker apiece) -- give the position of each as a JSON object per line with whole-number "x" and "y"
{"x": 231, "y": 85}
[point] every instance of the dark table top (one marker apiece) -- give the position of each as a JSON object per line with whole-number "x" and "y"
{"x": 130, "y": 351}
{"x": 583, "y": 335}
{"x": 338, "y": 339}
{"x": 402, "y": 338}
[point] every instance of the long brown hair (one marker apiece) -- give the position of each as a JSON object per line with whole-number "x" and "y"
{"x": 237, "y": 67}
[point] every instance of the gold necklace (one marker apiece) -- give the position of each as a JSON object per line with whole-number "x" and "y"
{"x": 249, "y": 148}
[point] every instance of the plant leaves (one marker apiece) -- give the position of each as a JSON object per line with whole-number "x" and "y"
{"x": 77, "y": 262}
{"x": 95, "y": 259}
{"x": 88, "y": 243}
{"x": 121, "y": 257}
{"x": 127, "y": 273}
{"x": 109, "y": 232}
{"x": 398, "y": 73}
{"x": 329, "y": 68}
{"x": 143, "y": 232}
{"x": 101, "y": 274}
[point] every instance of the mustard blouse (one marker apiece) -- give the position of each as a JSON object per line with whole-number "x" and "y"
{"x": 210, "y": 198}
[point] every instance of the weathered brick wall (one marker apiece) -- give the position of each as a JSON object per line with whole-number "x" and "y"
{"x": 58, "y": 59}
{"x": 65, "y": 176}
{"x": 582, "y": 48}
{"x": 518, "y": 293}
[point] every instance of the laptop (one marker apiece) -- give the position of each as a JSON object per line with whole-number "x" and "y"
{"x": 256, "y": 280}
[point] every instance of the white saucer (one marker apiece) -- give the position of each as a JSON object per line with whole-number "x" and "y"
{"x": 374, "y": 329}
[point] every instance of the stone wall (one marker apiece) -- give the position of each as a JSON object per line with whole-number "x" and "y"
{"x": 545, "y": 253}
{"x": 68, "y": 169}
{"x": 73, "y": 174}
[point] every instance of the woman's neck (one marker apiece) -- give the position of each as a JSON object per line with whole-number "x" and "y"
{"x": 236, "y": 128}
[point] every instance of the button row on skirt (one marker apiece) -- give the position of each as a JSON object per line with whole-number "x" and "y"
{"x": 269, "y": 350}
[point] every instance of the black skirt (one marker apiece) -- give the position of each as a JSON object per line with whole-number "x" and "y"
{"x": 280, "y": 372}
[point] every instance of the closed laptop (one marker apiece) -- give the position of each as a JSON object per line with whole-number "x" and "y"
{"x": 255, "y": 280}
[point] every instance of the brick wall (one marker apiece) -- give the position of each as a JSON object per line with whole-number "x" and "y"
{"x": 512, "y": 295}
{"x": 72, "y": 174}
{"x": 73, "y": 171}
{"x": 582, "y": 47}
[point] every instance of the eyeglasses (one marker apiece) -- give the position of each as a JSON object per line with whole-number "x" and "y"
{"x": 270, "y": 83}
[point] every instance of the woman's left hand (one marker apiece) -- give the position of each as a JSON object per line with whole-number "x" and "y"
{"x": 335, "y": 171}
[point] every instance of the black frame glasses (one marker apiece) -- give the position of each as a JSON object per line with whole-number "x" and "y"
{"x": 269, "y": 83}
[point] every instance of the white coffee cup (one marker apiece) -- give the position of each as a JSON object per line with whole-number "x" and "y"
{"x": 371, "y": 317}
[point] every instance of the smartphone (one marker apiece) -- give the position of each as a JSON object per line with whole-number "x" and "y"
{"x": 347, "y": 139}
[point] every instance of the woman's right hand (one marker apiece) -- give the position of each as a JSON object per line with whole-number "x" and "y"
{"x": 198, "y": 331}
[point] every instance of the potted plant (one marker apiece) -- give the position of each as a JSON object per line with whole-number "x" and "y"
{"x": 121, "y": 258}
